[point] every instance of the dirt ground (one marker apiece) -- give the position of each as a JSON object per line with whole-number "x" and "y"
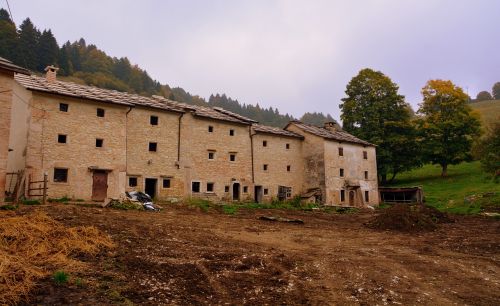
{"x": 186, "y": 256}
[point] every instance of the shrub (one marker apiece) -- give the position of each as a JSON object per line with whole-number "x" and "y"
{"x": 60, "y": 277}
{"x": 229, "y": 209}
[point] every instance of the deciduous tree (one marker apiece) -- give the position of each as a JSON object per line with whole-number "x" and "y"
{"x": 483, "y": 95}
{"x": 496, "y": 90}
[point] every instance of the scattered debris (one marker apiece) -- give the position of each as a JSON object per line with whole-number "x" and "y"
{"x": 142, "y": 198}
{"x": 280, "y": 219}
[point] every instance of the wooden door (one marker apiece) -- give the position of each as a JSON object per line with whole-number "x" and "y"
{"x": 99, "y": 186}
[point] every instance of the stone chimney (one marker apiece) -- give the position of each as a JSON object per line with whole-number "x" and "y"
{"x": 51, "y": 74}
{"x": 332, "y": 126}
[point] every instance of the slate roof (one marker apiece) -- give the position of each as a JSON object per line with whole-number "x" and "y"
{"x": 326, "y": 134}
{"x": 8, "y": 65}
{"x": 70, "y": 89}
{"x": 274, "y": 130}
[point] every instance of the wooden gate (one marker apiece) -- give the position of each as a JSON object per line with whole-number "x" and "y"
{"x": 99, "y": 185}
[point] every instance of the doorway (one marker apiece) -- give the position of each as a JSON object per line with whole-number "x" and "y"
{"x": 236, "y": 191}
{"x": 99, "y": 185}
{"x": 150, "y": 187}
{"x": 258, "y": 194}
{"x": 352, "y": 195}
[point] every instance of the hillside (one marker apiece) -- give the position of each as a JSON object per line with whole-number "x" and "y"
{"x": 489, "y": 110}
{"x": 85, "y": 63}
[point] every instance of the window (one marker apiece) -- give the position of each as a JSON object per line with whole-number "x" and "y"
{"x": 266, "y": 191}
{"x": 284, "y": 193}
{"x": 210, "y": 129}
{"x": 287, "y": 146}
{"x": 231, "y": 132}
{"x": 226, "y": 188}
{"x": 365, "y": 155}
{"x": 288, "y": 168}
{"x": 132, "y": 182}
{"x": 342, "y": 195}
{"x": 166, "y": 183}
{"x": 100, "y": 112}
{"x": 245, "y": 189}
{"x": 99, "y": 142}
{"x": 153, "y": 120}
{"x": 210, "y": 187}
{"x": 367, "y": 196}
{"x": 341, "y": 172}
{"x": 366, "y": 175}
{"x": 232, "y": 157}
{"x": 211, "y": 154}
{"x": 60, "y": 175}
{"x": 265, "y": 167}
{"x": 195, "y": 186}
{"x": 61, "y": 138}
{"x": 264, "y": 143}
{"x": 153, "y": 146}
{"x": 63, "y": 107}
{"x": 341, "y": 151}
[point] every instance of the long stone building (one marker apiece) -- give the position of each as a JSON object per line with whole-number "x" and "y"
{"x": 95, "y": 144}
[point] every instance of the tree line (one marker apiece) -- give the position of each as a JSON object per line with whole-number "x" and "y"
{"x": 86, "y": 64}
{"x": 444, "y": 131}
{"x": 486, "y": 95}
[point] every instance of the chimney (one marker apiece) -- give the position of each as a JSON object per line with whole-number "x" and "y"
{"x": 332, "y": 126}
{"x": 51, "y": 74}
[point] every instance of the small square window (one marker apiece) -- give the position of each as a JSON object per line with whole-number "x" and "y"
{"x": 166, "y": 183}
{"x": 211, "y": 155}
{"x": 245, "y": 189}
{"x": 60, "y": 175}
{"x": 132, "y": 182}
{"x": 265, "y": 167}
{"x": 341, "y": 172}
{"x": 367, "y": 196}
{"x": 365, "y": 155}
{"x": 153, "y": 120}
{"x": 341, "y": 151}
{"x": 210, "y": 187}
{"x": 342, "y": 196}
{"x": 195, "y": 186}
{"x": 288, "y": 168}
{"x": 210, "y": 129}
{"x": 99, "y": 143}
{"x": 226, "y": 188}
{"x": 61, "y": 138}
{"x": 287, "y": 146}
{"x": 231, "y": 132}
{"x": 266, "y": 191}
{"x": 232, "y": 157}
{"x": 366, "y": 175}
{"x": 153, "y": 146}
{"x": 100, "y": 112}
{"x": 264, "y": 143}
{"x": 63, "y": 107}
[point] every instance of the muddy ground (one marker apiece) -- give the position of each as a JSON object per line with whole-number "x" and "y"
{"x": 186, "y": 256}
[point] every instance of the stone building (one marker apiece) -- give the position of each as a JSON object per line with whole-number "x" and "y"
{"x": 95, "y": 144}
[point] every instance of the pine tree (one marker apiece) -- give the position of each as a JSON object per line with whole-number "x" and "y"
{"x": 8, "y": 36}
{"x": 48, "y": 50}
{"x": 65, "y": 65}
{"x": 26, "y": 51}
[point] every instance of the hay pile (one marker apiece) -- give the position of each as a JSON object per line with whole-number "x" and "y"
{"x": 409, "y": 218}
{"x": 34, "y": 246}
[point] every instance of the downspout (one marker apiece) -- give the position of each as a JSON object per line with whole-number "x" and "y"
{"x": 179, "y": 142}
{"x": 251, "y": 152}
{"x": 126, "y": 139}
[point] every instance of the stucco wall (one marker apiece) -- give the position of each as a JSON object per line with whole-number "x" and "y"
{"x": 278, "y": 157}
{"x": 6, "y": 83}
{"x": 18, "y": 139}
{"x": 82, "y": 127}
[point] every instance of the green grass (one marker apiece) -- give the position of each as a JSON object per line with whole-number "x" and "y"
{"x": 64, "y": 199}
{"x": 8, "y": 207}
{"x": 448, "y": 194}
{"x": 31, "y": 202}
{"x": 489, "y": 111}
{"x": 60, "y": 277}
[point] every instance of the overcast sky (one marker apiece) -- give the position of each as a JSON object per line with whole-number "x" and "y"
{"x": 294, "y": 55}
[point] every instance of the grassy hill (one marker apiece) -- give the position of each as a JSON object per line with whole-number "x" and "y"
{"x": 489, "y": 110}
{"x": 448, "y": 194}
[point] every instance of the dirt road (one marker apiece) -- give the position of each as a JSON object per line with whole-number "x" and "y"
{"x": 186, "y": 256}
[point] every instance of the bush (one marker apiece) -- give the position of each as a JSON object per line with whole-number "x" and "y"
{"x": 60, "y": 277}
{"x": 8, "y": 207}
{"x": 229, "y": 209}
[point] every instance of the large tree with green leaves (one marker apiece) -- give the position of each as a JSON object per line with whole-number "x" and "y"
{"x": 496, "y": 90}
{"x": 48, "y": 50}
{"x": 374, "y": 111}
{"x": 447, "y": 124}
{"x": 483, "y": 95}
{"x": 8, "y": 36}
{"x": 487, "y": 150}
{"x": 27, "y": 46}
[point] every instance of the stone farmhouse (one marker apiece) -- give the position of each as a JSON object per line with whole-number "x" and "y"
{"x": 95, "y": 144}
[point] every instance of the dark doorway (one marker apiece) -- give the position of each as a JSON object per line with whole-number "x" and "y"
{"x": 351, "y": 197}
{"x": 236, "y": 191}
{"x": 99, "y": 185}
{"x": 258, "y": 194}
{"x": 150, "y": 187}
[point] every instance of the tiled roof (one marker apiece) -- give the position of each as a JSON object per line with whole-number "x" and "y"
{"x": 333, "y": 135}
{"x": 237, "y": 116}
{"x": 8, "y": 65}
{"x": 70, "y": 89}
{"x": 274, "y": 130}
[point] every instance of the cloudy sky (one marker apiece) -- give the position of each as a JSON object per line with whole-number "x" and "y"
{"x": 294, "y": 55}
